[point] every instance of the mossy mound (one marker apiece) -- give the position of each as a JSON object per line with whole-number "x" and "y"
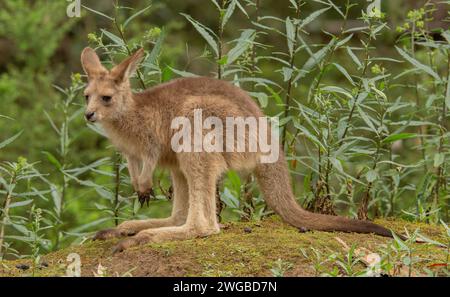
{"x": 241, "y": 249}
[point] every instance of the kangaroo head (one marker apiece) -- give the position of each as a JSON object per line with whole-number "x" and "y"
{"x": 108, "y": 93}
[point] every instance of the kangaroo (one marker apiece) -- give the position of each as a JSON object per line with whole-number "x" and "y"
{"x": 139, "y": 125}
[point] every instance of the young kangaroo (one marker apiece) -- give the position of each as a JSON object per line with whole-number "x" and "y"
{"x": 139, "y": 125}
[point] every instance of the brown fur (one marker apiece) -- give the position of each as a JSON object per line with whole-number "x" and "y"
{"x": 139, "y": 126}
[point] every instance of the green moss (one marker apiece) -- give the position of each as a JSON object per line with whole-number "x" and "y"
{"x": 236, "y": 251}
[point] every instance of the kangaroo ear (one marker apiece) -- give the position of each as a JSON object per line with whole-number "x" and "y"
{"x": 91, "y": 62}
{"x": 124, "y": 70}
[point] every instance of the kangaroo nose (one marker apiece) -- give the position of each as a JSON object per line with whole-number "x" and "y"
{"x": 90, "y": 116}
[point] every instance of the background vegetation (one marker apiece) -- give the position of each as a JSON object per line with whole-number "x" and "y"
{"x": 362, "y": 96}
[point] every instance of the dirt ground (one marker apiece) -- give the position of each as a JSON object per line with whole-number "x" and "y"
{"x": 241, "y": 249}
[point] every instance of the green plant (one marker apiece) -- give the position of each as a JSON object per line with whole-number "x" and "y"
{"x": 319, "y": 261}
{"x": 431, "y": 113}
{"x": 68, "y": 111}
{"x": 15, "y": 176}
{"x": 280, "y": 267}
{"x": 36, "y": 239}
{"x": 348, "y": 262}
{"x": 233, "y": 196}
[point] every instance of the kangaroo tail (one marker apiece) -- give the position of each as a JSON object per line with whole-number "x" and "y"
{"x": 274, "y": 181}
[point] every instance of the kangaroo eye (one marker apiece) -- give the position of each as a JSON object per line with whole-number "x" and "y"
{"x": 87, "y": 97}
{"x": 106, "y": 98}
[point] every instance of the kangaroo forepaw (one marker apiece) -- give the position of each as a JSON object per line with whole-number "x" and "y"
{"x": 145, "y": 197}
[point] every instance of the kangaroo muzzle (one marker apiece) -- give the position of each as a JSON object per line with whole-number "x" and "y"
{"x": 90, "y": 116}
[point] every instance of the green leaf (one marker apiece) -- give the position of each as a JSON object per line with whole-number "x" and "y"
{"x": 10, "y": 140}
{"x": 294, "y": 4}
{"x": 242, "y": 9}
{"x": 344, "y": 72}
{"x": 228, "y": 13}
{"x": 244, "y": 42}
{"x": 86, "y": 183}
{"x": 337, "y": 164}
{"x": 183, "y": 73}
{"x": 229, "y": 199}
{"x": 22, "y": 229}
{"x": 287, "y": 73}
{"x": 290, "y": 34}
{"x": 313, "y": 16}
{"x": 431, "y": 241}
{"x": 235, "y": 180}
{"x": 52, "y": 159}
{"x": 334, "y": 89}
{"x": 417, "y": 64}
{"x": 366, "y": 118}
{"x": 5, "y": 117}
{"x": 371, "y": 175}
{"x": 335, "y": 8}
{"x": 447, "y": 94}
{"x": 136, "y": 15}
{"x": 216, "y": 4}
{"x": 166, "y": 74}
{"x": 318, "y": 56}
{"x": 399, "y": 136}
{"x": 21, "y": 203}
{"x": 308, "y": 134}
{"x": 90, "y": 225}
{"x": 100, "y": 206}
{"x": 354, "y": 57}
{"x": 52, "y": 123}
{"x": 446, "y": 35}
{"x": 98, "y": 12}
{"x": 223, "y": 60}
{"x": 263, "y": 99}
{"x": 379, "y": 93}
{"x": 156, "y": 51}
{"x": 116, "y": 39}
{"x": 444, "y": 224}
{"x": 259, "y": 81}
{"x": 438, "y": 159}
{"x": 57, "y": 201}
{"x": 344, "y": 41}
{"x": 275, "y": 95}
{"x": 400, "y": 242}
{"x": 206, "y": 33}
